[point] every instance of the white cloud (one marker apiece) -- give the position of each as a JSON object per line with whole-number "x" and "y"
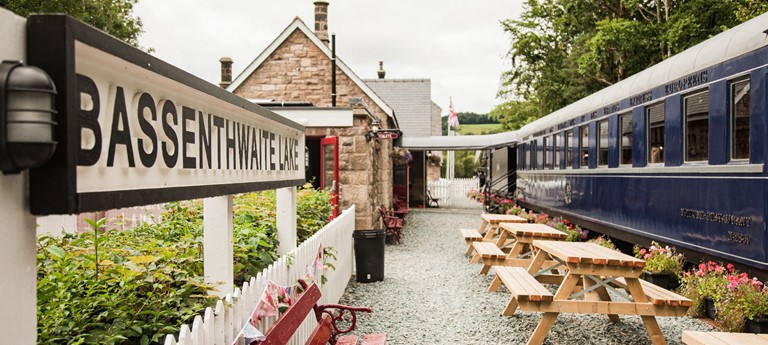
{"x": 459, "y": 45}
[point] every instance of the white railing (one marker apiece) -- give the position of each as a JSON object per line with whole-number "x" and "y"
{"x": 220, "y": 325}
{"x": 453, "y": 193}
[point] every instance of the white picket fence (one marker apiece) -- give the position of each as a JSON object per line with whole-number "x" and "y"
{"x": 453, "y": 193}
{"x": 220, "y": 325}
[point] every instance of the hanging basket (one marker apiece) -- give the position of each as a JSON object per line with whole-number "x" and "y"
{"x": 401, "y": 156}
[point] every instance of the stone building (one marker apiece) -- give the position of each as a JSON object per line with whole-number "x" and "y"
{"x": 417, "y": 116}
{"x": 294, "y": 76}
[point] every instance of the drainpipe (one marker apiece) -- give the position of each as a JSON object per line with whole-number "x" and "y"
{"x": 333, "y": 70}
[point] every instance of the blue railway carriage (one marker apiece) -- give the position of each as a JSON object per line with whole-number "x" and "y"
{"x": 675, "y": 153}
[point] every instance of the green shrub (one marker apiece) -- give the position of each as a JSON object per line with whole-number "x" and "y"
{"x": 140, "y": 290}
{"x": 149, "y": 280}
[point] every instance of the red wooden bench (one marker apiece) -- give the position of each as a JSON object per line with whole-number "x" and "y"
{"x": 330, "y": 322}
{"x": 392, "y": 224}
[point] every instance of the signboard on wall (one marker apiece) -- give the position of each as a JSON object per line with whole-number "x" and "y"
{"x": 133, "y": 130}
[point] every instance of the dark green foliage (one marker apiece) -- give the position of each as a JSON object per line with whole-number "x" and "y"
{"x": 115, "y": 17}
{"x": 562, "y": 50}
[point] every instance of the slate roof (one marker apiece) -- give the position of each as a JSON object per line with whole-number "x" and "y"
{"x": 411, "y": 99}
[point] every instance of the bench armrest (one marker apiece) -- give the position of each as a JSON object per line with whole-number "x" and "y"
{"x": 340, "y": 315}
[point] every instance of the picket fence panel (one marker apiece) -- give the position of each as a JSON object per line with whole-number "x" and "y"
{"x": 453, "y": 192}
{"x": 220, "y": 325}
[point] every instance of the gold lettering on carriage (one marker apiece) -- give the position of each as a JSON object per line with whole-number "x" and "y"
{"x": 715, "y": 217}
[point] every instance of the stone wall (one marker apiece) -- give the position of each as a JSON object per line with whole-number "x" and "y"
{"x": 299, "y": 71}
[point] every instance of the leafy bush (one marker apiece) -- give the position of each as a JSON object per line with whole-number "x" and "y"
{"x": 149, "y": 280}
{"x": 115, "y": 287}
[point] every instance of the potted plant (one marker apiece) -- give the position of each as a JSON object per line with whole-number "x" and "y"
{"x": 663, "y": 265}
{"x": 745, "y": 305}
{"x": 706, "y": 286}
{"x": 604, "y": 241}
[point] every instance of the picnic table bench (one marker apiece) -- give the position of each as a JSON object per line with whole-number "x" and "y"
{"x": 522, "y": 235}
{"x": 328, "y": 317}
{"x": 590, "y": 271}
{"x": 723, "y": 338}
{"x": 482, "y": 234}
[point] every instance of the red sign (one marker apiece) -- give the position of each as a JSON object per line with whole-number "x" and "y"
{"x": 386, "y": 135}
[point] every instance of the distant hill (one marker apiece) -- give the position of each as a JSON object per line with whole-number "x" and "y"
{"x": 473, "y": 124}
{"x": 477, "y": 129}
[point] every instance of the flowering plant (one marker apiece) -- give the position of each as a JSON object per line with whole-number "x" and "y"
{"x": 575, "y": 232}
{"x": 660, "y": 259}
{"x": 745, "y": 298}
{"x": 401, "y": 156}
{"x": 707, "y": 280}
{"x": 604, "y": 241}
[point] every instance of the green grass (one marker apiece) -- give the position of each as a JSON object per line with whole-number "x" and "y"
{"x": 476, "y": 129}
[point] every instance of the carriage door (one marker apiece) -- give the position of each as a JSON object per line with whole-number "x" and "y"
{"x": 329, "y": 165}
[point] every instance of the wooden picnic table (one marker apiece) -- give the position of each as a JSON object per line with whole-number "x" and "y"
{"x": 590, "y": 271}
{"x": 491, "y": 222}
{"x": 723, "y": 338}
{"x": 520, "y": 236}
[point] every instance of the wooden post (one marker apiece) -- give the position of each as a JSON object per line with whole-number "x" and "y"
{"x": 218, "y": 252}
{"x": 286, "y": 219}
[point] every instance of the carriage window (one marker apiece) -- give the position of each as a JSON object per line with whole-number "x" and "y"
{"x": 625, "y": 137}
{"x": 556, "y": 161}
{"x": 527, "y": 156}
{"x": 545, "y": 153}
{"x": 740, "y": 119}
{"x": 602, "y": 143}
{"x": 696, "y": 127}
{"x": 584, "y": 147}
{"x": 539, "y": 155}
{"x": 569, "y": 149}
{"x": 655, "y": 130}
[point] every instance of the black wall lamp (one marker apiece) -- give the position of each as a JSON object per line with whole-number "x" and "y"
{"x": 375, "y": 130}
{"x": 27, "y": 109}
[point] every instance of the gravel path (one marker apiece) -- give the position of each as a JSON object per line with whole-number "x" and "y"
{"x": 431, "y": 294}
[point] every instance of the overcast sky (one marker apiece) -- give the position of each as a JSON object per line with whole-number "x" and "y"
{"x": 458, "y": 44}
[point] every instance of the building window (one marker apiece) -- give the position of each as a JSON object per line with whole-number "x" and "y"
{"x": 556, "y": 161}
{"x": 625, "y": 137}
{"x": 569, "y": 149}
{"x": 740, "y": 119}
{"x": 602, "y": 143}
{"x": 655, "y": 130}
{"x": 696, "y": 112}
{"x": 584, "y": 147}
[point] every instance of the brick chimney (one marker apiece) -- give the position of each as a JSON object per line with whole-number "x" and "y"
{"x": 226, "y": 72}
{"x": 321, "y": 20}
{"x": 381, "y": 70}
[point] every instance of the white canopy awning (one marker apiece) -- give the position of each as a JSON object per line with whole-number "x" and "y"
{"x": 460, "y": 142}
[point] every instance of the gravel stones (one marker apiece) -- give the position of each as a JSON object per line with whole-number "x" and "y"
{"x": 431, "y": 294}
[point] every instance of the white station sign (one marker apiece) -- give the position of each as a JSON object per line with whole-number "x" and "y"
{"x": 134, "y": 130}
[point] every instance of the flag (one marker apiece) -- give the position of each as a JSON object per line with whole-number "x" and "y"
{"x": 453, "y": 119}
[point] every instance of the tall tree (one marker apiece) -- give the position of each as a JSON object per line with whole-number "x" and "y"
{"x": 563, "y": 50}
{"x": 112, "y": 16}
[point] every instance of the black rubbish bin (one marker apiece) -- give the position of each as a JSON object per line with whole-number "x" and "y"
{"x": 369, "y": 255}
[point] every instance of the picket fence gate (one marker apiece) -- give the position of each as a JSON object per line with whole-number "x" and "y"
{"x": 453, "y": 192}
{"x": 220, "y": 325}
